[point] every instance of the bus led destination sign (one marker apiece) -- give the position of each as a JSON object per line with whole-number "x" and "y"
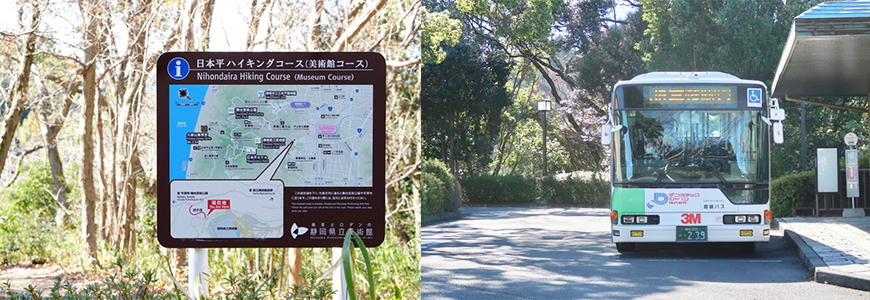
{"x": 668, "y": 94}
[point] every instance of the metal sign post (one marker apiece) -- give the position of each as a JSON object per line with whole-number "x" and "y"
{"x": 197, "y": 267}
{"x": 338, "y": 282}
{"x": 852, "y": 190}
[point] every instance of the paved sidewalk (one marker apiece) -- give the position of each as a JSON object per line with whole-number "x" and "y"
{"x": 835, "y": 250}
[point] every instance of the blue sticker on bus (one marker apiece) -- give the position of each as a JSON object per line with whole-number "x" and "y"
{"x": 753, "y": 97}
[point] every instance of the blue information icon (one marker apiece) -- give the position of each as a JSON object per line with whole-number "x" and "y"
{"x": 178, "y": 68}
{"x": 753, "y": 97}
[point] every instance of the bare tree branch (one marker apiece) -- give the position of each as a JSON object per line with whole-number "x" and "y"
{"x": 256, "y": 14}
{"x": 207, "y": 12}
{"x": 20, "y": 160}
{"x": 314, "y": 39}
{"x": 399, "y": 64}
{"x": 170, "y": 41}
{"x": 356, "y": 26}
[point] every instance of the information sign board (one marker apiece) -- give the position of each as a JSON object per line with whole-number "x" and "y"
{"x": 827, "y": 170}
{"x": 270, "y": 149}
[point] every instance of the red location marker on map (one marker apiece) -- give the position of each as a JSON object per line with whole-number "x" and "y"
{"x": 217, "y": 204}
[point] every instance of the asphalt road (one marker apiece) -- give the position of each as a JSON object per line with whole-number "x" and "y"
{"x": 556, "y": 253}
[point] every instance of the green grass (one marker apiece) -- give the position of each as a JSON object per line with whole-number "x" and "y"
{"x": 388, "y": 272}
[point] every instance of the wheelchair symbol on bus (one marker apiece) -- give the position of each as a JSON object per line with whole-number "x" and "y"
{"x": 753, "y": 97}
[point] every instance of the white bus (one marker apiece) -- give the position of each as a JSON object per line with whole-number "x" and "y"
{"x": 691, "y": 159}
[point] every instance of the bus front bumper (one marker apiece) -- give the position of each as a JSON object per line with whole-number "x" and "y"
{"x": 664, "y": 234}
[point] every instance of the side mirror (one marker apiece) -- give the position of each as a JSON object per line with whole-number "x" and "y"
{"x": 606, "y": 134}
{"x": 777, "y": 114}
{"x": 777, "y": 133}
{"x": 607, "y": 131}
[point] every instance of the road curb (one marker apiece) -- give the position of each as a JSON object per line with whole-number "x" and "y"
{"x": 839, "y": 278}
{"x": 448, "y": 216}
{"x": 820, "y": 271}
{"x": 809, "y": 257}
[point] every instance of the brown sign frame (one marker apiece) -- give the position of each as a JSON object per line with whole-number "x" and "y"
{"x": 340, "y": 68}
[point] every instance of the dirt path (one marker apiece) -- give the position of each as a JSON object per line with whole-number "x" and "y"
{"x": 41, "y": 277}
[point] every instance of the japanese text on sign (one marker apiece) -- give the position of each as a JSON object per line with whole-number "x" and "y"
{"x": 250, "y": 63}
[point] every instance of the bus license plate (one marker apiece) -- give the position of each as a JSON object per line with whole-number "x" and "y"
{"x": 691, "y": 233}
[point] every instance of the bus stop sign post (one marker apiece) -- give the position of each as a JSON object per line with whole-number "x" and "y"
{"x": 852, "y": 190}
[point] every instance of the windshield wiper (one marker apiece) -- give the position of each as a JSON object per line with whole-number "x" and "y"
{"x": 717, "y": 174}
{"x": 662, "y": 176}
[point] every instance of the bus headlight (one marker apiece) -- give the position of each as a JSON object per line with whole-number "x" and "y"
{"x": 741, "y": 219}
{"x": 639, "y": 219}
{"x": 753, "y": 219}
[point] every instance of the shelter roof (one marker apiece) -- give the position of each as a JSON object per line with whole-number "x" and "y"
{"x": 827, "y": 52}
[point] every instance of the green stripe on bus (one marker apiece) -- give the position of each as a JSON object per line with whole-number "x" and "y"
{"x": 628, "y": 201}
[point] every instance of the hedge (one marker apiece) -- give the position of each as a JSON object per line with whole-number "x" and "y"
{"x": 575, "y": 191}
{"x": 791, "y": 191}
{"x": 513, "y": 189}
{"x": 524, "y": 190}
{"x": 437, "y": 189}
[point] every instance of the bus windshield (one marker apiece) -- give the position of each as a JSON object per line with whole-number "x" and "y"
{"x": 669, "y": 147}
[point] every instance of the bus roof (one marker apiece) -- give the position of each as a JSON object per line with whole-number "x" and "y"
{"x": 687, "y": 77}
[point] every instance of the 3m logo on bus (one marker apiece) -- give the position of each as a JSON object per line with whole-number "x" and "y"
{"x": 691, "y": 218}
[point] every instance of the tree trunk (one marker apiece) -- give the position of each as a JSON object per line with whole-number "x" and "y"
{"x": 417, "y": 180}
{"x": 105, "y": 223}
{"x": 18, "y": 94}
{"x": 281, "y": 265}
{"x": 205, "y": 25}
{"x": 256, "y": 15}
{"x": 186, "y": 28}
{"x": 49, "y": 131}
{"x": 314, "y": 38}
{"x": 271, "y": 265}
{"x": 128, "y": 163}
{"x": 250, "y": 258}
{"x": 179, "y": 258}
{"x": 502, "y": 149}
{"x": 49, "y": 139}
{"x": 91, "y": 41}
{"x": 295, "y": 265}
{"x": 128, "y": 227}
{"x": 257, "y": 267}
{"x": 129, "y": 91}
